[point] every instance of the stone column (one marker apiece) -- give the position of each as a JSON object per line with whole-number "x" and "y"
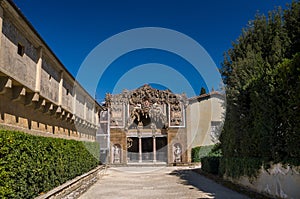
{"x": 140, "y": 149}
{"x": 60, "y": 89}
{"x": 154, "y": 148}
{"x": 38, "y": 70}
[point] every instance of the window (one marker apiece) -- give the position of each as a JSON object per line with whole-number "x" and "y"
{"x": 68, "y": 92}
{"x": 21, "y": 49}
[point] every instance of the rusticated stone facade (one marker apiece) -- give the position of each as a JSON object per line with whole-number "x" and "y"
{"x": 36, "y": 91}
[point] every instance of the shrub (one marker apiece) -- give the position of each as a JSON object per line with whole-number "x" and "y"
{"x": 31, "y": 165}
{"x": 261, "y": 73}
{"x": 236, "y": 167}
{"x": 201, "y": 151}
{"x": 210, "y": 164}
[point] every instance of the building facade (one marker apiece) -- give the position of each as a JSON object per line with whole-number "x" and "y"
{"x": 153, "y": 126}
{"x": 37, "y": 93}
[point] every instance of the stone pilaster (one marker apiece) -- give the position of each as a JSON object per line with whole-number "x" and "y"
{"x": 85, "y": 108}
{"x": 96, "y": 116}
{"x": 39, "y": 70}
{"x": 93, "y": 114}
{"x": 60, "y": 89}
{"x": 74, "y": 100}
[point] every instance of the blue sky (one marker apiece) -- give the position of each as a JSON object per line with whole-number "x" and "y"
{"x": 73, "y": 29}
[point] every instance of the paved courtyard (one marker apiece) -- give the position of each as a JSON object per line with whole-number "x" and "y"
{"x": 156, "y": 183}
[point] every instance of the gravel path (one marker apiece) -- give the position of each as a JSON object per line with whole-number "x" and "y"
{"x": 156, "y": 183}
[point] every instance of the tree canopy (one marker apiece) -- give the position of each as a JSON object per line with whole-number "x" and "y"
{"x": 203, "y": 91}
{"x": 262, "y": 76}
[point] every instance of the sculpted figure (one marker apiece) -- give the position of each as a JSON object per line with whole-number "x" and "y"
{"x": 116, "y": 154}
{"x": 177, "y": 153}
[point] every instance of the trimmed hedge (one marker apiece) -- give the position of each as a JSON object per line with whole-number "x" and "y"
{"x": 211, "y": 160}
{"x": 201, "y": 151}
{"x": 236, "y": 167}
{"x": 210, "y": 164}
{"x": 31, "y": 165}
{"x": 261, "y": 74}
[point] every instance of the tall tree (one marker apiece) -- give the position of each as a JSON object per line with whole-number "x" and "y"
{"x": 203, "y": 91}
{"x": 261, "y": 74}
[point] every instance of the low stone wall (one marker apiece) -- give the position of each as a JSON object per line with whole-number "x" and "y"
{"x": 74, "y": 188}
{"x": 279, "y": 181}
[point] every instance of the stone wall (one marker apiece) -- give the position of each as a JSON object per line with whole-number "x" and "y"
{"x": 74, "y": 188}
{"x": 177, "y": 136}
{"x": 278, "y": 181}
{"x": 22, "y": 68}
{"x": 36, "y": 90}
{"x": 202, "y": 113}
{"x": 118, "y": 137}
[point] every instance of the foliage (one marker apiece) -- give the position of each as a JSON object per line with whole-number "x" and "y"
{"x": 216, "y": 150}
{"x": 93, "y": 148}
{"x": 262, "y": 77}
{"x": 236, "y": 167}
{"x": 210, "y": 164}
{"x": 210, "y": 160}
{"x": 201, "y": 151}
{"x": 31, "y": 165}
{"x": 203, "y": 91}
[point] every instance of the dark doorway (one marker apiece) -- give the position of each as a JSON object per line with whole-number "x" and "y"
{"x": 133, "y": 149}
{"x": 147, "y": 149}
{"x": 161, "y": 149}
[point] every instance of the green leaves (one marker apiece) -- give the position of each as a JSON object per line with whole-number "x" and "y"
{"x": 201, "y": 151}
{"x": 30, "y": 165}
{"x": 262, "y": 77}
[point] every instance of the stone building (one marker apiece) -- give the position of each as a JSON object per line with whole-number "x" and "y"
{"x": 37, "y": 93}
{"x": 153, "y": 126}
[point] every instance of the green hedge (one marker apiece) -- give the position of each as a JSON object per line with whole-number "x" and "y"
{"x": 210, "y": 164}
{"x": 261, "y": 74}
{"x": 237, "y": 167}
{"x": 31, "y": 165}
{"x": 201, "y": 151}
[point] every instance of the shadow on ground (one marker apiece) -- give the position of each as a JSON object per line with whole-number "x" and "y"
{"x": 214, "y": 190}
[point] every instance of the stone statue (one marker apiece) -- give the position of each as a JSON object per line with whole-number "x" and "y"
{"x": 108, "y": 99}
{"x": 177, "y": 153}
{"x": 116, "y": 154}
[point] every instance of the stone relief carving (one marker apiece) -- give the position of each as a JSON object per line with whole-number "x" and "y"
{"x": 117, "y": 115}
{"x": 176, "y": 114}
{"x": 129, "y": 142}
{"x": 147, "y": 108}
